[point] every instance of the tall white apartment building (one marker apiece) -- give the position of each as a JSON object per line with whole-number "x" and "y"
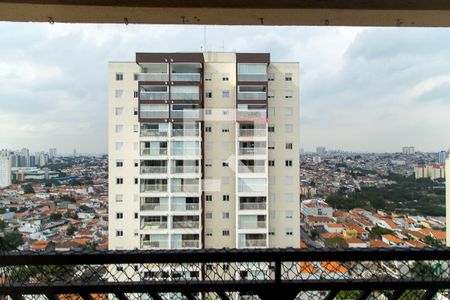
{"x": 5, "y": 169}
{"x": 447, "y": 198}
{"x": 203, "y": 151}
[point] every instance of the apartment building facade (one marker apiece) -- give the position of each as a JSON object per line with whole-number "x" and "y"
{"x": 203, "y": 151}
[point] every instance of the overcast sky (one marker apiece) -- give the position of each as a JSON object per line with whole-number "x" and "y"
{"x": 362, "y": 89}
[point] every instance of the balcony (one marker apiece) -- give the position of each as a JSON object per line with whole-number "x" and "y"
{"x": 152, "y": 133}
{"x": 154, "y": 96}
{"x": 152, "y": 77}
{"x": 252, "y": 132}
{"x": 154, "y": 207}
{"x": 185, "y": 114}
{"x": 252, "y": 77}
{"x": 153, "y": 225}
{"x": 251, "y": 114}
{"x": 185, "y": 71}
{"x": 185, "y": 77}
{"x": 185, "y": 206}
{"x": 251, "y": 169}
{"x": 153, "y": 169}
{"x": 153, "y": 188}
{"x": 186, "y": 132}
{"x": 185, "y": 188}
{"x": 252, "y": 151}
{"x": 154, "y": 152}
{"x": 252, "y": 224}
{"x": 252, "y": 206}
{"x": 185, "y": 169}
{"x": 251, "y": 243}
{"x": 186, "y": 244}
{"x": 188, "y": 224}
{"x": 252, "y": 92}
{"x": 147, "y": 245}
{"x": 389, "y": 273}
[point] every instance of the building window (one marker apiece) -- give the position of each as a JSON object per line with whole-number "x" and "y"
{"x": 208, "y": 197}
{"x": 288, "y": 77}
{"x": 208, "y": 77}
{"x": 289, "y": 197}
{"x": 209, "y": 232}
{"x": 271, "y": 214}
{"x": 208, "y": 94}
{"x": 289, "y": 232}
{"x": 119, "y": 93}
{"x": 135, "y": 128}
{"x": 225, "y": 215}
{"x": 119, "y": 163}
{"x": 136, "y": 215}
{"x": 208, "y": 146}
{"x": 271, "y": 145}
{"x": 288, "y": 146}
{"x": 119, "y": 111}
{"x": 225, "y": 112}
{"x": 208, "y": 129}
{"x": 288, "y": 163}
{"x": 208, "y": 215}
{"x": 208, "y": 163}
{"x": 288, "y": 111}
{"x": 135, "y": 94}
{"x": 271, "y": 128}
{"x": 136, "y": 233}
{"x": 271, "y": 163}
{"x": 208, "y": 112}
{"x": 271, "y": 231}
{"x": 119, "y": 180}
{"x": 288, "y": 214}
{"x": 119, "y": 215}
{"x": 225, "y": 77}
{"x": 225, "y": 164}
{"x": 271, "y": 94}
{"x": 288, "y": 128}
{"x": 119, "y": 198}
{"x": 135, "y": 111}
{"x": 288, "y": 94}
{"x": 136, "y": 163}
{"x": 226, "y": 197}
{"x": 119, "y": 128}
{"x": 271, "y": 76}
{"x": 119, "y": 76}
{"x": 225, "y": 94}
{"x": 225, "y": 232}
{"x": 119, "y": 146}
{"x": 136, "y": 180}
{"x": 119, "y": 232}
{"x": 225, "y": 129}
{"x": 135, "y": 77}
{"x": 225, "y": 145}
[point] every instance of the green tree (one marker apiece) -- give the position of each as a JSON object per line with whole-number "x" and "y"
{"x": 2, "y": 224}
{"x": 335, "y": 242}
{"x": 11, "y": 241}
{"x": 377, "y": 232}
{"x": 347, "y": 295}
{"x": 28, "y": 189}
{"x": 55, "y": 217}
{"x": 71, "y": 230}
{"x": 432, "y": 241}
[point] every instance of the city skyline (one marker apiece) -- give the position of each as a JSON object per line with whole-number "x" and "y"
{"x": 350, "y": 100}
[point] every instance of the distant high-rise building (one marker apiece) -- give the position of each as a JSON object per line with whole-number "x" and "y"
{"x": 198, "y": 158}
{"x": 74, "y": 152}
{"x": 52, "y": 153}
{"x": 321, "y": 150}
{"x": 5, "y": 170}
{"x": 441, "y": 157}
{"x": 25, "y": 161}
{"x": 409, "y": 150}
{"x": 302, "y": 151}
{"x": 447, "y": 196}
{"x": 33, "y": 160}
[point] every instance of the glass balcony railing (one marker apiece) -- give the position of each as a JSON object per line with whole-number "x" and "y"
{"x": 252, "y": 206}
{"x": 153, "y": 169}
{"x": 252, "y": 224}
{"x": 154, "y": 244}
{"x": 185, "y": 114}
{"x": 251, "y": 169}
{"x": 154, "y": 96}
{"x": 185, "y": 151}
{"x": 154, "y": 207}
{"x": 145, "y": 188}
{"x": 185, "y": 188}
{"x": 152, "y": 132}
{"x": 185, "y": 132}
{"x": 152, "y": 77}
{"x": 252, "y": 151}
{"x": 252, "y": 243}
{"x": 148, "y": 151}
{"x": 153, "y": 225}
{"x": 185, "y": 206}
{"x": 186, "y": 225}
{"x": 154, "y": 114}
{"x": 252, "y": 95}
{"x": 252, "y": 77}
{"x": 185, "y": 77}
{"x": 185, "y": 169}
{"x": 184, "y": 96}
{"x": 252, "y": 132}
{"x": 251, "y": 114}
{"x": 185, "y": 244}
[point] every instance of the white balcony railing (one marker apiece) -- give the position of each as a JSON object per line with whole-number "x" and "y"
{"x": 252, "y": 243}
{"x": 152, "y": 132}
{"x": 145, "y": 188}
{"x": 185, "y": 244}
{"x": 153, "y": 77}
{"x": 252, "y": 151}
{"x": 252, "y": 95}
{"x": 185, "y": 169}
{"x": 184, "y": 96}
{"x": 153, "y": 169}
{"x": 185, "y": 151}
{"x": 185, "y": 132}
{"x": 186, "y": 225}
{"x": 185, "y": 206}
{"x": 154, "y": 207}
{"x": 252, "y": 206}
{"x": 154, "y": 114}
{"x": 148, "y": 151}
{"x": 154, "y": 96}
{"x": 251, "y": 114}
{"x": 252, "y": 132}
{"x": 153, "y": 225}
{"x": 252, "y": 224}
{"x": 185, "y": 114}
{"x": 185, "y": 77}
{"x": 155, "y": 244}
{"x": 252, "y": 77}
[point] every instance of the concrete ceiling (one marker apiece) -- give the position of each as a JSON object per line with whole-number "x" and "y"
{"x": 411, "y": 13}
